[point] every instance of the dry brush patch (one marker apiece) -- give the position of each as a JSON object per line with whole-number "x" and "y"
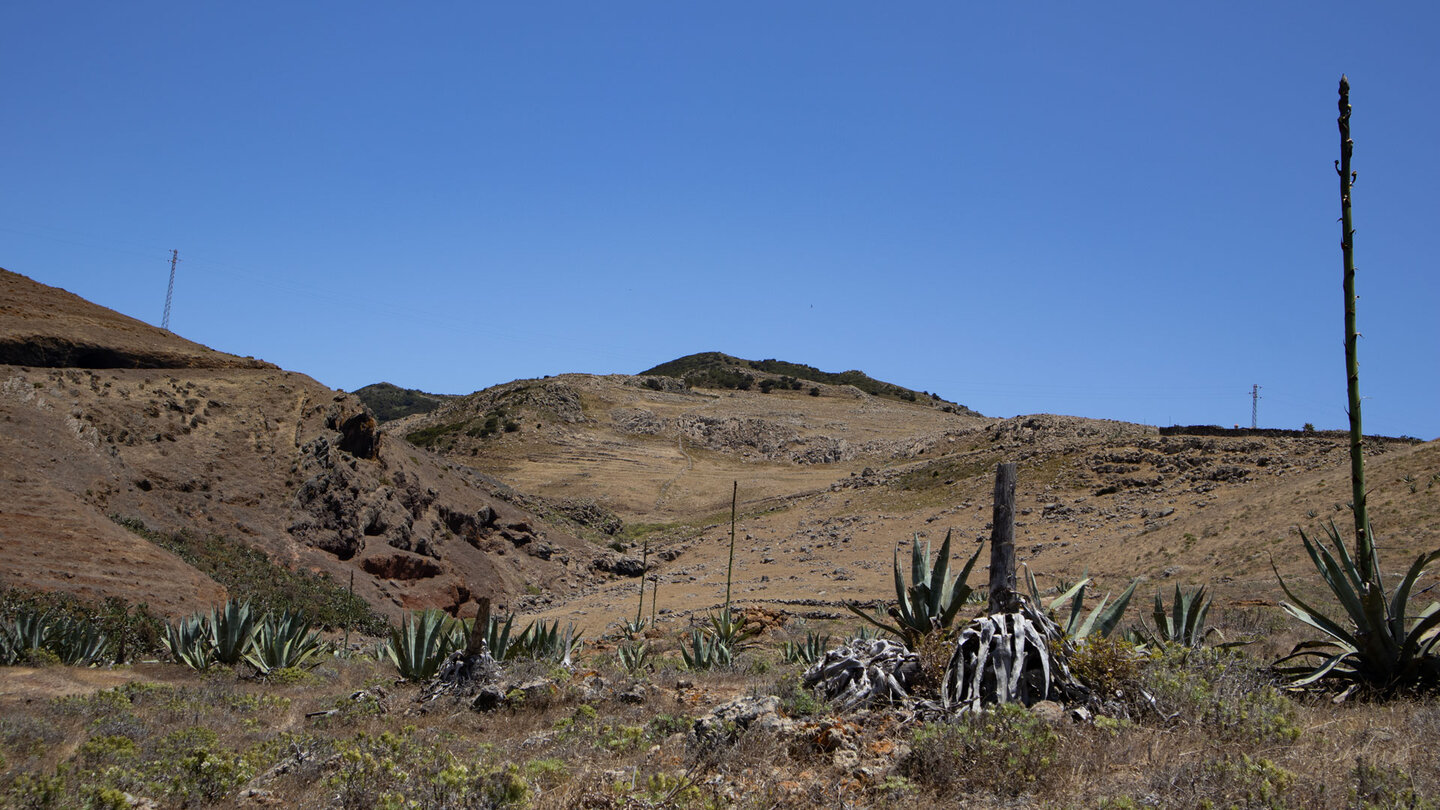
{"x": 349, "y": 735}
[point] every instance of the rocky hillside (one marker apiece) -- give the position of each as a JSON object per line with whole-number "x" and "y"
{"x": 652, "y": 448}
{"x": 1114, "y": 500}
{"x": 831, "y": 482}
{"x": 108, "y": 418}
{"x": 489, "y": 494}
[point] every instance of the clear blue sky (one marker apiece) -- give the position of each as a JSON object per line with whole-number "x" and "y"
{"x": 1120, "y": 210}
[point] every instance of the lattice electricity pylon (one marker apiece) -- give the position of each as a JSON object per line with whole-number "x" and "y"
{"x": 170, "y": 290}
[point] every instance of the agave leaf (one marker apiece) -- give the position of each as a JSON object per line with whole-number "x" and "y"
{"x": 1339, "y": 582}
{"x": 1402, "y": 593}
{"x": 1076, "y": 598}
{"x": 1310, "y": 615}
{"x": 941, "y": 587}
{"x": 919, "y": 561}
{"x": 1083, "y": 631}
{"x": 1412, "y": 646}
{"x": 862, "y": 613}
{"x": 1324, "y": 669}
{"x": 1105, "y": 621}
{"x": 960, "y": 593}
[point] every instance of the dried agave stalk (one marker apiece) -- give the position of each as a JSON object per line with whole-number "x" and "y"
{"x": 865, "y": 672}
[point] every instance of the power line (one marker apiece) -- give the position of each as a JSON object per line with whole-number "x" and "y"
{"x": 170, "y": 290}
{"x": 1254, "y": 405}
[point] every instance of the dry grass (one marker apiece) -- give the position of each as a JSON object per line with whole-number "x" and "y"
{"x": 1217, "y": 735}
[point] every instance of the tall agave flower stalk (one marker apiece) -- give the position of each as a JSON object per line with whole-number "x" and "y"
{"x": 730, "y": 567}
{"x": 1379, "y": 646}
{"x": 1364, "y": 543}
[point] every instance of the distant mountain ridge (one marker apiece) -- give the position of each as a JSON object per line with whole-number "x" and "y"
{"x": 720, "y": 370}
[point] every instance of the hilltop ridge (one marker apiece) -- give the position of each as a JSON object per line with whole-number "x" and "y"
{"x": 723, "y": 371}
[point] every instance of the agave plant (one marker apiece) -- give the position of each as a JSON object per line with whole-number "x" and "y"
{"x": 232, "y": 629}
{"x": 633, "y": 656}
{"x": 631, "y": 629}
{"x": 863, "y": 633}
{"x": 1076, "y": 624}
{"x": 420, "y": 643}
{"x": 29, "y": 630}
{"x": 1381, "y": 646}
{"x": 497, "y": 637}
{"x": 542, "y": 640}
{"x": 729, "y": 628}
{"x": 706, "y": 651}
{"x": 812, "y": 649}
{"x": 1183, "y": 623}
{"x": 933, "y": 599}
{"x": 188, "y": 642}
{"x": 76, "y": 641}
{"x": 1018, "y": 657}
{"x": 72, "y": 641}
{"x": 284, "y": 641}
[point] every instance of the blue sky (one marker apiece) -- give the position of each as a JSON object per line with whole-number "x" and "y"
{"x": 1119, "y": 210}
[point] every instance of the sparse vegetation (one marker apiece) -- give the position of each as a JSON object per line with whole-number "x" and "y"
{"x": 389, "y": 402}
{"x": 717, "y": 370}
{"x": 250, "y": 575}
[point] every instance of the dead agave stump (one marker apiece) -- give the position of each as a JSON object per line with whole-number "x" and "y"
{"x": 464, "y": 671}
{"x": 1014, "y": 653}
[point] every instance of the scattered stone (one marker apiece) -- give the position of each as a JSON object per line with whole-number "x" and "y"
{"x": 488, "y": 699}
{"x": 725, "y": 722}
{"x": 619, "y": 564}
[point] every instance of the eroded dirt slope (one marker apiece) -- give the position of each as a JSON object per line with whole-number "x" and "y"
{"x": 182, "y": 438}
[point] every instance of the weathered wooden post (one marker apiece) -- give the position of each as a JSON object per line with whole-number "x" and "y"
{"x": 1002, "y": 543}
{"x": 476, "y": 644}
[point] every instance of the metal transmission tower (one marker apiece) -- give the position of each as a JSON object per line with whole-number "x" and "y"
{"x": 1254, "y": 404}
{"x": 170, "y": 290}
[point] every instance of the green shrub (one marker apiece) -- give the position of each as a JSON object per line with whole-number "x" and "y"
{"x": 1375, "y": 786}
{"x": 1220, "y": 690}
{"x": 250, "y": 574}
{"x": 1230, "y": 782}
{"x": 1107, "y": 665}
{"x": 1005, "y": 750}
{"x": 796, "y": 700}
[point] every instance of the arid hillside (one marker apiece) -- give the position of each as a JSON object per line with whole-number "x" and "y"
{"x": 545, "y": 494}
{"x": 831, "y": 484}
{"x": 105, "y": 418}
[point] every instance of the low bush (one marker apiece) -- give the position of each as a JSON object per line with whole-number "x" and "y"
{"x": 1225, "y": 693}
{"x": 1006, "y": 750}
